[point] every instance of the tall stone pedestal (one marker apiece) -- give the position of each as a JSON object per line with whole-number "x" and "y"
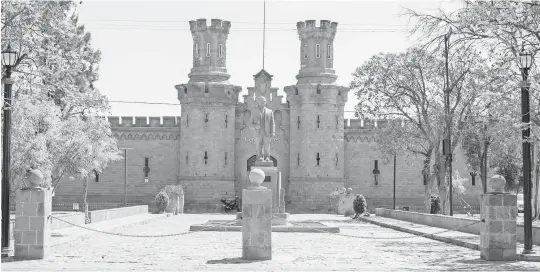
{"x": 272, "y": 180}
{"x": 498, "y": 231}
{"x": 256, "y": 220}
{"x": 32, "y": 227}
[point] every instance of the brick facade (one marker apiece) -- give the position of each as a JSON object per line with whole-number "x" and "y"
{"x": 208, "y": 149}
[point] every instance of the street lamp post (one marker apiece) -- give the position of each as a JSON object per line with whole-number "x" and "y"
{"x": 525, "y": 60}
{"x": 9, "y": 59}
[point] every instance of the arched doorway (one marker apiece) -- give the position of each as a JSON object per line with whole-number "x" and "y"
{"x": 251, "y": 162}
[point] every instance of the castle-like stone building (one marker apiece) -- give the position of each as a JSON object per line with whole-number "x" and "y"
{"x": 210, "y": 148}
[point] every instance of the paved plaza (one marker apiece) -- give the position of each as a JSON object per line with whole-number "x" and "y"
{"x": 221, "y": 251}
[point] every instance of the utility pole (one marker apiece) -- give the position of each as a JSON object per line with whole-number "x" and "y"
{"x": 447, "y": 147}
{"x": 394, "y": 181}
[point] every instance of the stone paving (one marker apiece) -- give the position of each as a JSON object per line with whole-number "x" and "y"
{"x": 221, "y": 251}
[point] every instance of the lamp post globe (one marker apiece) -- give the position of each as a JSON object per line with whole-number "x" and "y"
{"x": 9, "y": 56}
{"x": 525, "y": 59}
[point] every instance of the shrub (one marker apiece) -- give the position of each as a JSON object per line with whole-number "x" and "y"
{"x": 435, "y": 204}
{"x": 359, "y": 205}
{"x": 162, "y": 201}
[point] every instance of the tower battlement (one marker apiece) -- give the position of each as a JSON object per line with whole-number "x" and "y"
{"x": 209, "y": 50}
{"x": 217, "y": 25}
{"x": 309, "y": 29}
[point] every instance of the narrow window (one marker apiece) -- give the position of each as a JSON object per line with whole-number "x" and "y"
{"x": 206, "y": 118}
{"x": 220, "y": 50}
{"x": 296, "y": 91}
{"x": 226, "y": 121}
{"x": 329, "y": 52}
{"x": 208, "y": 49}
{"x": 317, "y": 50}
{"x": 146, "y": 169}
{"x": 298, "y": 160}
{"x": 337, "y": 121}
{"x": 376, "y": 172}
{"x": 305, "y": 51}
{"x": 339, "y": 93}
{"x": 197, "y": 50}
{"x": 187, "y": 158}
{"x": 337, "y": 159}
{"x": 225, "y": 158}
{"x": 298, "y": 122}
{"x": 473, "y": 178}
{"x": 206, "y": 88}
{"x": 205, "y": 157}
{"x": 187, "y": 120}
{"x": 96, "y": 173}
{"x": 318, "y": 88}
{"x": 318, "y": 121}
{"x": 318, "y": 159}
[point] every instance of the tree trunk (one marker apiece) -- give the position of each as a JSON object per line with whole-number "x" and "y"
{"x": 84, "y": 200}
{"x": 426, "y": 179}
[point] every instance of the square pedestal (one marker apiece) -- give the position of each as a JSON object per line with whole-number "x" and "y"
{"x": 257, "y": 224}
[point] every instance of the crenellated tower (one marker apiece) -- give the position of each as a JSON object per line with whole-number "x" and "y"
{"x": 207, "y": 144}
{"x": 316, "y": 118}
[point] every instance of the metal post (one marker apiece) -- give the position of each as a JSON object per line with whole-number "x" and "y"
{"x": 448, "y": 124}
{"x": 394, "y": 181}
{"x": 525, "y": 133}
{"x": 125, "y": 177}
{"x": 6, "y": 162}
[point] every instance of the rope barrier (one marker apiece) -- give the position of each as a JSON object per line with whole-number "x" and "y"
{"x": 148, "y": 236}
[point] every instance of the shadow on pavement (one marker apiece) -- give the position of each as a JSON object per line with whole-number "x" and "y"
{"x": 12, "y": 259}
{"x": 483, "y": 265}
{"x": 237, "y": 260}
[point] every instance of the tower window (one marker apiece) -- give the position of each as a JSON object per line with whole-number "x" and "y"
{"x": 305, "y": 51}
{"x": 208, "y": 49}
{"x": 298, "y": 122}
{"x": 318, "y": 159}
{"x": 298, "y": 160}
{"x": 187, "y": 120}
{"x": 376, "y": 172}
{"x": 187, "y": 158}
{"x": 197, "y": 50}
{"x": 318, "y": 88}
{"x": 206, "y": 118}
{"x": 295, "y": 91}
{"x": 337, "y": 159}
{"x": 318, "y": 121}
{"x": 225, "y": 158}
{"x": 220, "y": 50}
{"x": 337, "y": 121}
{"x": 205, "y": 157}
{"x": 226, "y": 120}
{"x": 317, "y": 50}
{"x": 329, "y": 51}
{"x": 206, "y": 88}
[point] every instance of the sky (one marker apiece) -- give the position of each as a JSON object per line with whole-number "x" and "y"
{"x": 147, "y": 46}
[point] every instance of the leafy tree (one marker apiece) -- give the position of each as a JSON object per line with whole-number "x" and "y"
{"x": 55, "y": 73}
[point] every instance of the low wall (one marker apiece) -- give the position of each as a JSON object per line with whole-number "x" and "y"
{"x": 110, "y": 214}
{"x": 76, "y": 218}
{"x": 448, "y": 222}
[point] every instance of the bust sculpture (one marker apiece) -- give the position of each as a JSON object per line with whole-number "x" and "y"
{"x": 263, "y": 125}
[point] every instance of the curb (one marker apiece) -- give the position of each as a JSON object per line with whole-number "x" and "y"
{"x": 520, "y": 257}
{"x": 430, "y": 236}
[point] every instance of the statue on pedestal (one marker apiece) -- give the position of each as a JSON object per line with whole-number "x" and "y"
{"x": 262, "y": 123}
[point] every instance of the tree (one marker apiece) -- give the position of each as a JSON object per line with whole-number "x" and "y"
{"x": 56, "y": 72}
{"x": 402, "y": 86}
{"x": 504, "y": 28}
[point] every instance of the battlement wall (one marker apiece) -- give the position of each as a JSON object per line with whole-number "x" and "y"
{"x": 309, "y": 29}
{"x": 144, "y": 121}
{"x": 217, "y": 25}
{"x": 371, "y": 124}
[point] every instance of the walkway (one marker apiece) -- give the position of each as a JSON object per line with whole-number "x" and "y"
{"x": 221, "y": 251}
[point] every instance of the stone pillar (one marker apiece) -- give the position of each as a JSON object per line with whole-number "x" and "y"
{"x": 498, "y": 229}
{"x": 256, "y": 219}
{"x": 32, "y": 223}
